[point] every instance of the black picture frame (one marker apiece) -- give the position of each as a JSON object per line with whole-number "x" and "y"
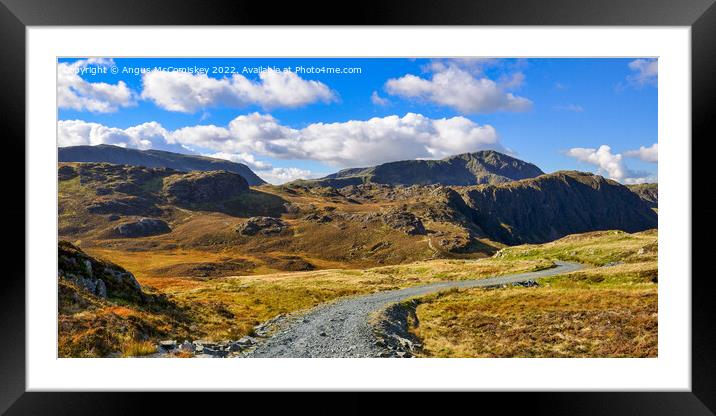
{"x": 699, "y": 15}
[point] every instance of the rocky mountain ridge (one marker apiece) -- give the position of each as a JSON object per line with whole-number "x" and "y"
{"x": 482, "y": 167}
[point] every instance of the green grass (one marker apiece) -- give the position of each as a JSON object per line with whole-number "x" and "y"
{"x": 596, "y": 248}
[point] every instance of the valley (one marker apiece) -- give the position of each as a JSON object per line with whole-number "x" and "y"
{"x": 215, "y": 256}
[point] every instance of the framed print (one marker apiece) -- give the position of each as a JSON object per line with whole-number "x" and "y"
{"x": 464, "y": 200}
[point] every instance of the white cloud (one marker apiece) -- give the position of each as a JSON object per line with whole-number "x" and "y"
{"x": 245, "y": 158}
{"x": 278, "y": 176}
{"x": 74, "y": 92}
{"x": 454, "y": 86}
{"x": 645, "y": 72}
{"x": 351, "y": 143}
{"x": 346, "y": 144}
{"x": 185, "y": 92}
{"x": 474, "y": 66}
{"x": 609, "y": 164}
{"x": 647, "y": 154}
{"x": 265, "y": 170}
{"x": 79, "y": 132}
{"x": 513, "y": 81}
{"x": 378, "y": 100}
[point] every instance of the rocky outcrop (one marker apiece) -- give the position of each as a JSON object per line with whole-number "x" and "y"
{"x": 101, "y": 278}
{"x": 392, "y": 330}
{"x": 648, "y": 192}
{"x": 318, "y": 218}
{"x": 124, "y": 205}
{"x": 115, "y": 176}
{"x": 262, "y": 225}
{"x": 220, "y": 349}
{"x": 203, "y": 187}
{"x": 404, "y": 221}
{"x": 142, "y": 227}
{"x": 482, "y": 167}
{"x": 205, "y": 348}
{"x": 66, "y": 172}
{"x": 552, "y": 206}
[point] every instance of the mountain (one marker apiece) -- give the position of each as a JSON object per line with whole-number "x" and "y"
{"x": 297, "y": 227}
{"x": 139, "y": 200}
{"x": 483, "y": 167}
{"x": 648, "y": 192}
{"x": 154, "y": 159}
{"x": 552, "y": 206}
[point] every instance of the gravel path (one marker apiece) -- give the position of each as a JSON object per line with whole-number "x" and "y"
{"x": 341, "y": 328}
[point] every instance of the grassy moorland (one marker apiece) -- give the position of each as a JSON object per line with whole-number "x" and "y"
{"x": 214, "y": 257}
{"x": 607, "y": 310}
{"x": 229, "y": 307}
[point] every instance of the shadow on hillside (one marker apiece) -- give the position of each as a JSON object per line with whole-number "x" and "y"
{"x": 251, "y": 203}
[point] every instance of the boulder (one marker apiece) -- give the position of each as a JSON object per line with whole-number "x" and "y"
{"x": 246, "y": 341}
{"x": 318, "y": 218}
{"x": 215, "y": 352}
{"x": 404, "y": 221}
{"x": 168, "y": 345}
{"x": 187, "y": 346}
{"x": 203, "y": 187}
{"x": 142, "y": 227}
{"x": 66, "y": 172}
{"x": 262, "y": 225}
{"x": 129, "y": 205}
{"x": 98, "y": 277}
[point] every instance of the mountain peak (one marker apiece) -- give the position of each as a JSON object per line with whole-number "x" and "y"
{"x": 481, "y": 167}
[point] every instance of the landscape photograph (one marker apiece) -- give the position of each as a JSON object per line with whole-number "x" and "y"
{"x": 466, "y": 207}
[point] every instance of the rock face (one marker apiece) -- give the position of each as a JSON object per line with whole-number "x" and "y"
{"x": 203, "y": 187}
{"x": 648, "y": 192}
{"x": 404, "y": 221}
{"x": 154, "y": 159}
{"x": 483, "y": 167}
{"x": 552, "y": 206}
{"x": 123, "y": 190}
{"x": 66, "y": 172}
{"x": 392, "y": 330}
{"x": 262, "y": 225}
{"x": 124, "y": 205}
{"x": 101, "y": 278}
{"x": 142, "y": 227}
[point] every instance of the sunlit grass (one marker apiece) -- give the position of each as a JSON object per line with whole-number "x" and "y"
{"x": 607, "y": 311}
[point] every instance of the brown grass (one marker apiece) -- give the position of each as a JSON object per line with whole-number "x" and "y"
{"x": 230, "y": 307}
{"x": 607, "y": 311}
{"x": 138, "y": 349}
{"x": 542, "y": 322}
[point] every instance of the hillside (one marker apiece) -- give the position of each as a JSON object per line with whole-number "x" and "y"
{"x": 551, "y": 206}
{"x": 103, "y": 310}
{"x": 230, "y": 228}
{"x": 648, "y": 192}
{"x": 204, "y": 256}
{"x": 608, "y": 309}
{"x": 154, "y": 159}
{"x": 227, "y": 227}
{"x": 483, "y": 167}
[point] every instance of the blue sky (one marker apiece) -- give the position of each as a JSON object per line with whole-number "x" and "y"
{"x": 306, "y": 117}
